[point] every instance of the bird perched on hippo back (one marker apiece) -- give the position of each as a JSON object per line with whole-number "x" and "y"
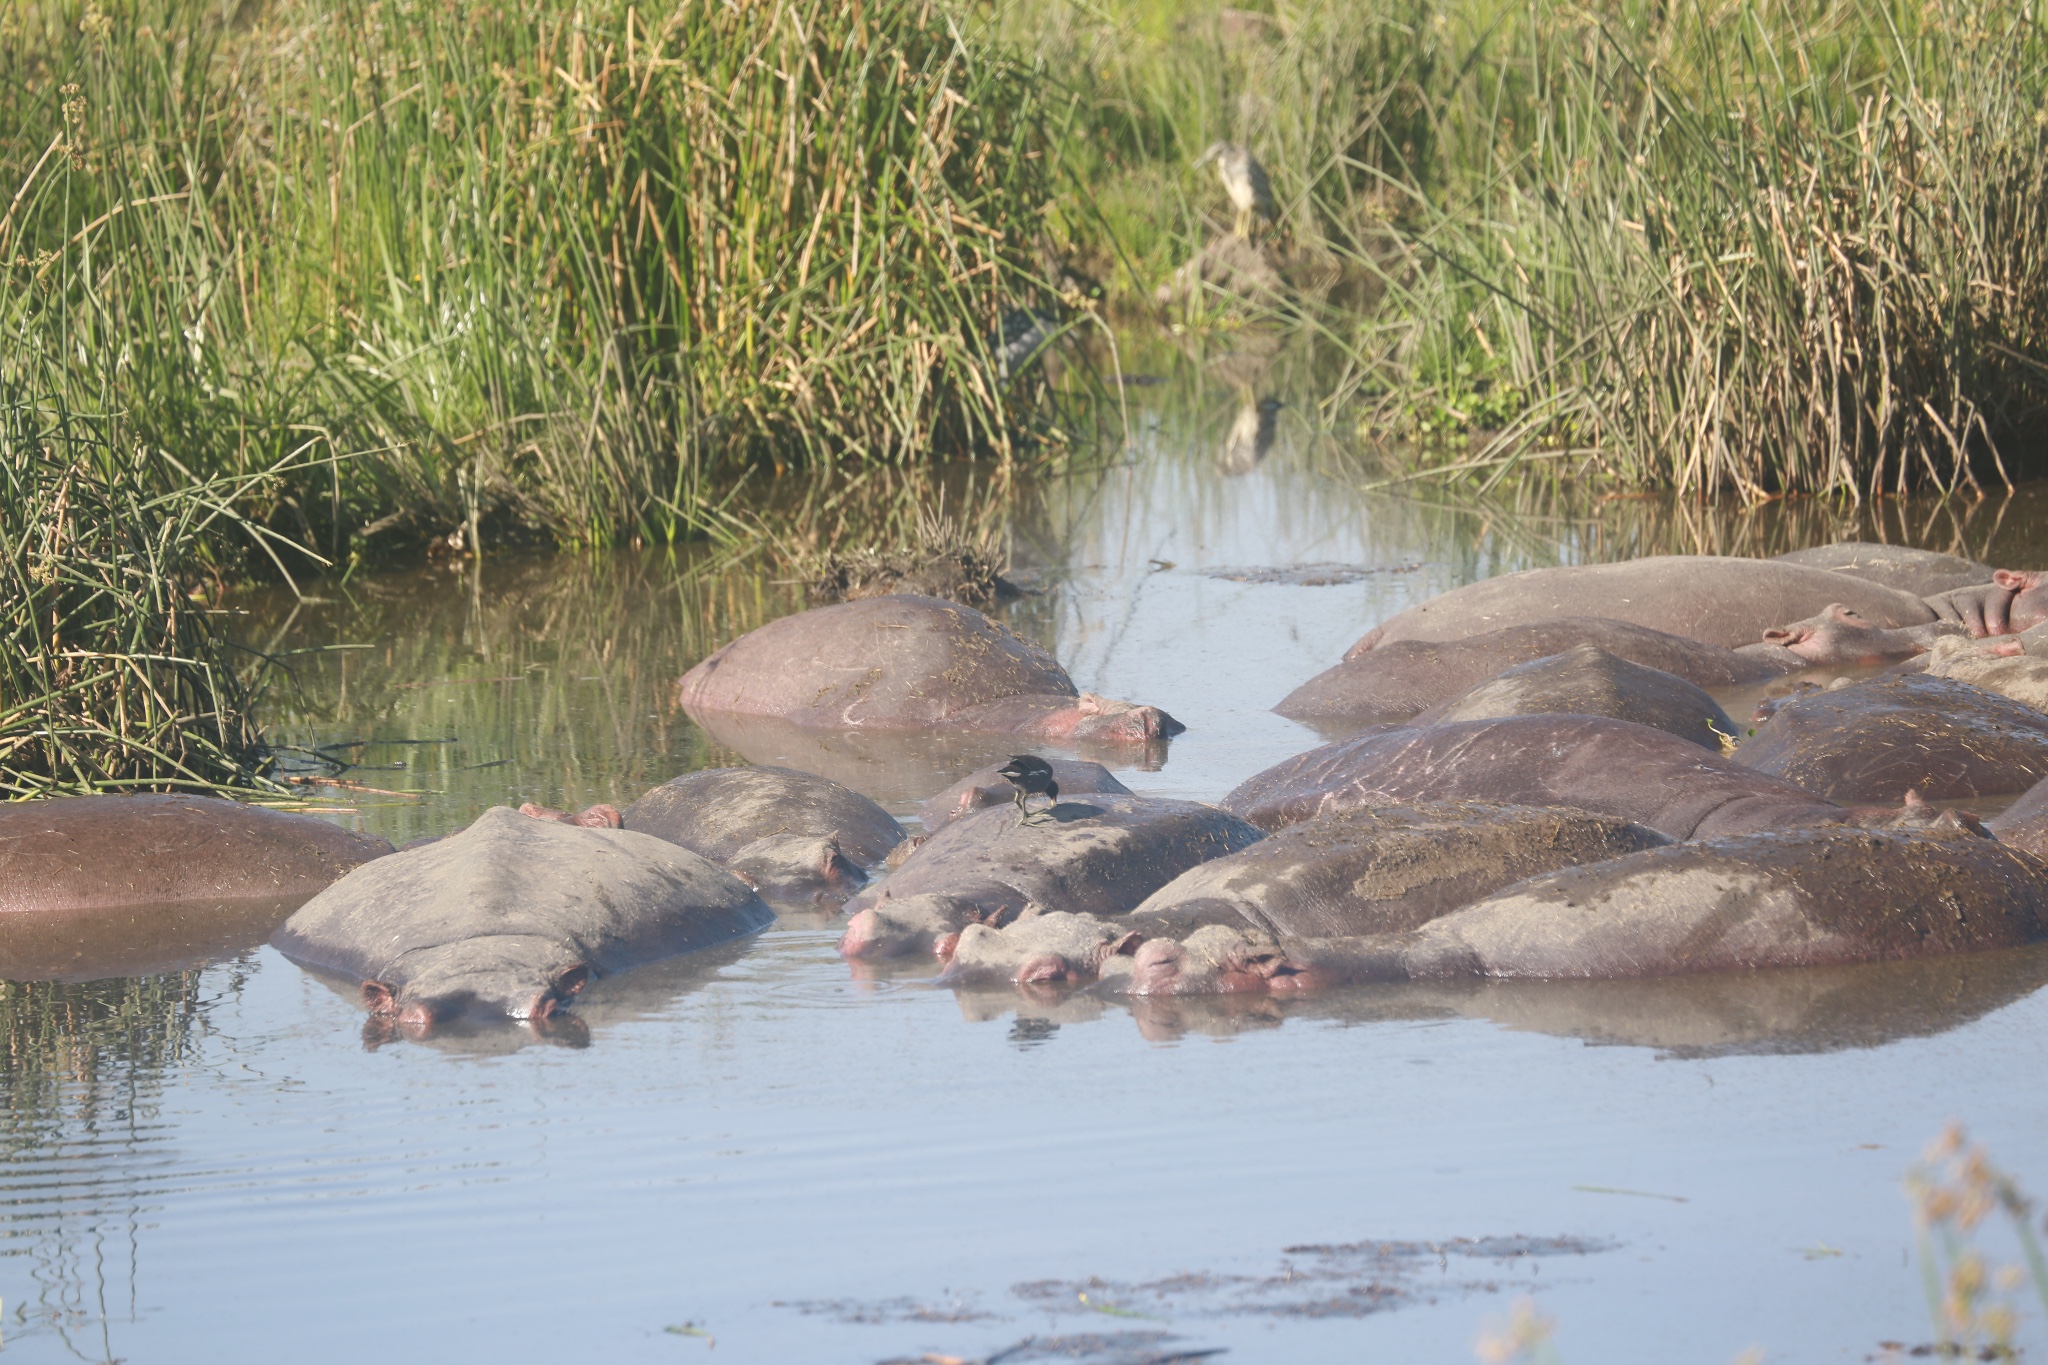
{"x": 1031, "y": 776}
{"x": 1244, "y": 180}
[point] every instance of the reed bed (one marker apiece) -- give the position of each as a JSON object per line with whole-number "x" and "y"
{"x": 112, "y": 674}
{"x": 518, "y": 265}
{"x": 1713, "y": 247}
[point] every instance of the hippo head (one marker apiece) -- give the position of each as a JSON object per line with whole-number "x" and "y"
{"x": 1213, "y": 959}
{"x": 1106, "y": 720}
{"x": 787, "y": 867}
{"x": 487, "y": 977}
{"x": 2029, "y": 606}
{"x": 1840, "y": 636}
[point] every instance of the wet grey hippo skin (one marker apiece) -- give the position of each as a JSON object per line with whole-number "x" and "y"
{"x": 1095, "y": 855}
{"x": 1382, "y": 869}
{"x": 1924, "y": 573}
{"x": 1396, "y": 680}
{"x": 787, "y": 834}
{"x": 1875, "y": 741}
{"x": 91, "y": 852}
{"x": 1588, "y": 681}
{"x": 1802, "y": 898}
{"x": 1719, "y": 600}
{"x": 1608, "y": 767}
{"x": 511, "y": 916}
{"x": 2014, "y": 666}
{"x": 1839, "y": 636}
{"x": 984, "y": 787}
{"x": 909, "y": 663}
{"x": 2024, "y": 824}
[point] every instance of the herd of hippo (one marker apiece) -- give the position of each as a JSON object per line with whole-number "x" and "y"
{"x": 1672, "y": 765}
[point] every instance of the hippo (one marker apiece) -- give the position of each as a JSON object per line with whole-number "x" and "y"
{"x": 1382, "y": 869}
{"x": 986, "y": 787}
{"x": 908, "y": 663}
{"x": 1709, "y": 1014}
{"x": 2014, "y": 601}
{"x": 1037, "y": 949}
{"x": 1097, "y": 854}
{"x": 1924, "y": 573}
{"x": 1395, "y": 680}
{"x": 1840, "y": 636}
{"x": 2014, "y": 666}
{"x": 789, "y": 835}
{"x": 1791, "y": 898}
{"x": 510, "y": 918}
{"x": 95, "y": 852}
{"x": 2024, "y": 824}
{"x": 1876, "y": 740}
{"x": 1703, "y": 597}
{"x": 1591, "y": 763}
{"x": 1586, "y": 680}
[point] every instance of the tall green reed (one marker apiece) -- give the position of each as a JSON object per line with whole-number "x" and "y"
{"x": 112, "y": 677}
{"x": 545, "y": 263}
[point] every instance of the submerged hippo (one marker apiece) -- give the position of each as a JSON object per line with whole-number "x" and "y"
{"x": 909, "y": 663}
{"x": 1608, "y": 767}
{"x": 513, "y": 915}
{"x": 787, "y": 834}
{"x": 2015, "y": 600}
{"x": 1802, "y": 898}
{"x": 93, "y": 852}
{"x": 1841, "y": 637}
{"x": 1096, "y": 854}
{"x": 2014, "y": 666}
{"x": 1586, "y": 680}
{"x": 1924, "y": 573}
{"x": 1382, "y": 869}
{"x": 1704, "y": 597}
{"x": 1877, "y": 740}
{"x": 987, "y": 786}
{"x": 1398, "y": 679}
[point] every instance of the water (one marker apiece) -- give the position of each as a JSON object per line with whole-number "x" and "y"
{"x": 812, "y": 1166}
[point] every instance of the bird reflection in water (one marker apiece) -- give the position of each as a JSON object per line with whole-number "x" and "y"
{"x": 1250, "y": 435}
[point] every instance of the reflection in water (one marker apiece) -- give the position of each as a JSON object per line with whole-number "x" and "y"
{"x": 85, "y": 1070}
{"x": 133, "y": 940}
{"x": 1788, "y": 1010}
{"x": 1250, "y": 435}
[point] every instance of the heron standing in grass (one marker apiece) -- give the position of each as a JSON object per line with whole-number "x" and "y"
{"x": 1244, "y": 180}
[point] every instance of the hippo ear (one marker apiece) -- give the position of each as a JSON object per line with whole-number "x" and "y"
{"x": 2017, "y": 580}
{"x": 599, "y": 817}
{"x": 566, "y": 981}
{"x": 1789, "y": 635}
{"x": 380, "y": 998}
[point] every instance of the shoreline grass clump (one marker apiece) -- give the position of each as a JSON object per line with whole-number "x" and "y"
{"x": 547, "y": 266}
{"x": 1718, "y": 247}
{"x": 112, "y": 678}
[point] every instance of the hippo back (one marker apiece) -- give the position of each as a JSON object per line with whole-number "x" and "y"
{"x": 1924, "y": 573}
{"x": 1721, "y": 601}
{"x": 1609, "y": 767}
{"x": 93, "y": 852}
{"x": 899, "y": 663}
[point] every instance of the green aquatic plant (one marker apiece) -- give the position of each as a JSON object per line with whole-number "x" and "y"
{"x": 534, "y": 264}
{"x": 113, "y": 676}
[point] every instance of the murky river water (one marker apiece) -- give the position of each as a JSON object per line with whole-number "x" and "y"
{"x": 759, "y": 1149}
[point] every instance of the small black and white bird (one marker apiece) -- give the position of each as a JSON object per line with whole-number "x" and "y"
{"x": 1031, "y": 776}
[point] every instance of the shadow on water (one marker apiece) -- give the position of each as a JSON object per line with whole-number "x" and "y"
{"x": 1788, "y": 1010}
